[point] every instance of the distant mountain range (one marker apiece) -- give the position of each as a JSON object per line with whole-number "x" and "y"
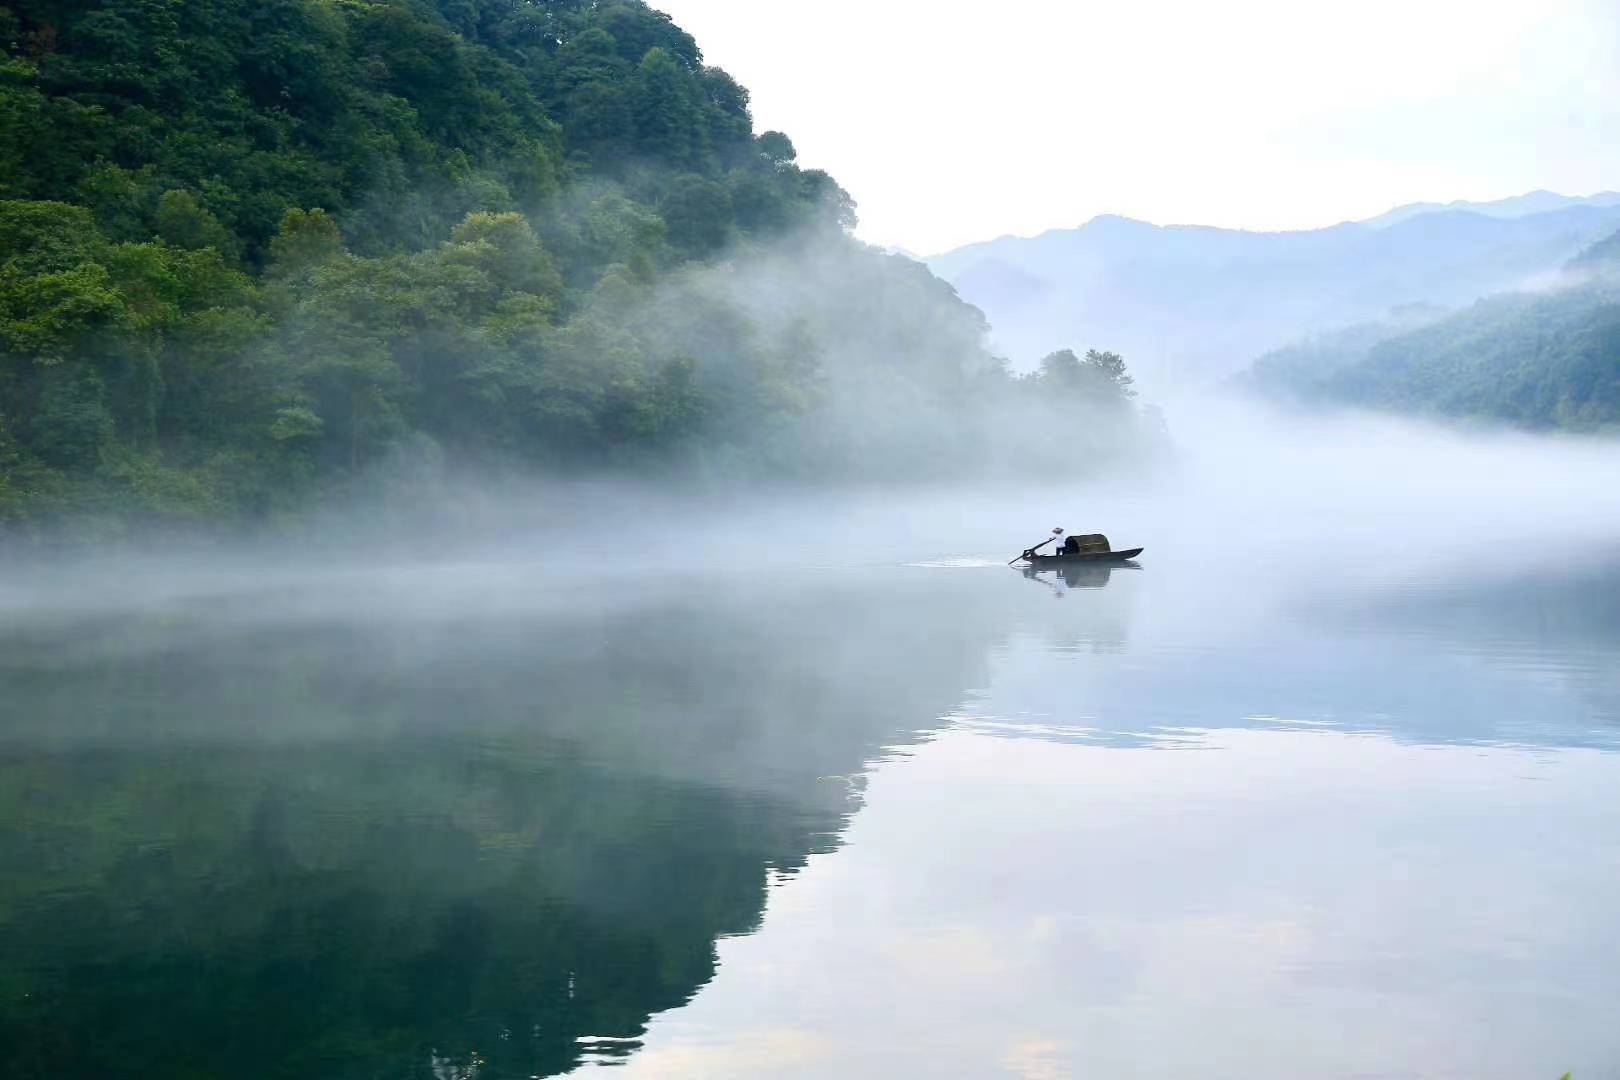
{"x": 1191, "y": 304}
{"x": 1541, "y": 359}
{"x": 1535, "y": 202}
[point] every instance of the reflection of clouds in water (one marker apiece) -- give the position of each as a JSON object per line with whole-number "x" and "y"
{"x": 1155, "y": 739}
{"x": 1038, "y": 1058}
{"x": 1291, "y": 903}
{"x": 948, "y": 954}
{"x": 772, "y": 1051}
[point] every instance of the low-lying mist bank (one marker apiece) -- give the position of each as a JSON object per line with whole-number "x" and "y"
{"x": 1359, "y": 487}
{"x": 1264, "y": 498}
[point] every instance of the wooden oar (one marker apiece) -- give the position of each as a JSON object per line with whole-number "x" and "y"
{"x": 1029, "y": 552}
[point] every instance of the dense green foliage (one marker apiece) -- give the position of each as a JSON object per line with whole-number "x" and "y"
{"x": 1535, "y": 360}
{"x": 251, "y": 250}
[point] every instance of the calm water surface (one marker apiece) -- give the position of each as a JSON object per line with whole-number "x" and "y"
{"x": 1213, "y": 816}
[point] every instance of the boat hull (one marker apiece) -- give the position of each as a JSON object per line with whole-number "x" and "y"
{"x": 1085, "y": 557}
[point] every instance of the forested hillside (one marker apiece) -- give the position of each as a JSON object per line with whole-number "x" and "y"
{"x": 1539, "y": 360}
{"x": 1601, "y": 256}
{"x": 252, "y": 250}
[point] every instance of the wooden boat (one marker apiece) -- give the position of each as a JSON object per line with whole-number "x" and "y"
{"x": 1065, "y": 559}
{"x": 1086, "y": 548}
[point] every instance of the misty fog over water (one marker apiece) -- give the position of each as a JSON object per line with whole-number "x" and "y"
{"x": 810, "y": 783}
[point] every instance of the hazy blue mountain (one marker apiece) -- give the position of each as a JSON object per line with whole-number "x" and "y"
{"x": 1534, "y": 202}
{"x": 1193, "y": 304}
{"x": 1604, "y": 254}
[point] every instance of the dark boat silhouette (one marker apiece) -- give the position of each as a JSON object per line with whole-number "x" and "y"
{"x": 1077, "y": 548}
{"x": 1063, "y": 558}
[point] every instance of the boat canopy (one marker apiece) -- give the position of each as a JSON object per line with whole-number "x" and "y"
{"x": 1085, "y": 543}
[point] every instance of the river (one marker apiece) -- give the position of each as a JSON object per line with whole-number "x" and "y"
{"x": 1251, "y": 808}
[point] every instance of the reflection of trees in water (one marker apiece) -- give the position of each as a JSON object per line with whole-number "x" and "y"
{"x": 340, "y": 912}
{"x": 264, "y": 845}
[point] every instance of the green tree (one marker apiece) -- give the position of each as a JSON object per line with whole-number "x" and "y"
{"x": 664, "y": 110}
{"x": 1099, "y": 379}
{"x": 1109, "y": 369}
{"x": 506, "y": 249}
{"x": 183, "y": 222}
{"x": 698, "y": 215}
{"x": 307, "y": 238}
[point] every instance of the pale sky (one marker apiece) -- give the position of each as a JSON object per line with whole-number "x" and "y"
{"x": 951, "y": 122}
